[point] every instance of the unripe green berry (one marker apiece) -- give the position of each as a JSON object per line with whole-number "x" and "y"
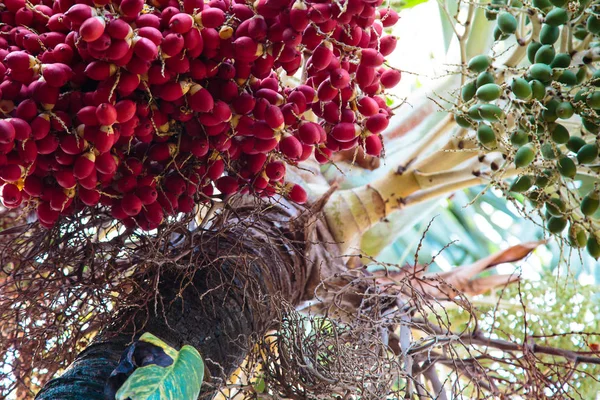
{"x": 520, "y": 87}
{"x": 561, "y": 60}
{"x": 538, "y": 90}
{"x": 545, "y": 54}
{"x": 543, "y": 5}
{"x": 593, "y": 24}
{"x": 549, "y": 151}
{"x": 491, "y": 112}
{"x": 484, "y": 78}
{"x": 507, "y": 23}
{"x": 486, "y": 135}
{"x": 593, "y": 246}
{"x": 521, "y": 184}
{"x": 566, "y": 77}
{"x": 564, "y": 110}
{"x": 560, "y": 134}
{"x": 577, "y": 236}
{"x": 525, "y": 155}
{"x": 567, "y": 167}
{"x": 479, "y": 63}
{"x": 519, "y": 137}
{"x": 557, "y": 17}
{"x": 549, "y": 34}
{"x": 488, "y": 92}
{"x": 593, "y": 100}
{"x": 587, "y": 154}
{"x": 463, "y": 122}
{"x": 467, "y": 92}
{"x": 532, "y": 49}
{"x": 556, "y": 207}
{"x": 575, "y": 143}
{"x": 590, "y": 203}
{"x": 556, "y": 224}
{"x": 541, "y": 72}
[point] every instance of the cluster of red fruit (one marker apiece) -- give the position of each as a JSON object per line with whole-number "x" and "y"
{"x": 145, "y": 106}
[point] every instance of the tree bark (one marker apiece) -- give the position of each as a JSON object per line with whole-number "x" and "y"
{"x": 222, "y": 304}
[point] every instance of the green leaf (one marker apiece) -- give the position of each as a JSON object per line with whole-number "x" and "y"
{"x": 179, "y": 381}
{"x": 411, "y": 3}
{"x": 150, "y": 338}
{"x": 447, "y": 24}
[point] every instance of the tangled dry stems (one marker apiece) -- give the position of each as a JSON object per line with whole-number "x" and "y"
{"x": 357, "y": 339}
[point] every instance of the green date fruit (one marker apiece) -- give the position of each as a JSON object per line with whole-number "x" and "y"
{"x": 479, "y": 63}
{"x": 549, "y": 34}
{"x": 485, "y": 134}
{"x": 488, "y": 92}
{"x": 557, "y": 17}
{"x": 519, "y": 137}
{"x": 541, "y": 72}
{"x": 467, "y": 92}
{"x": 564, "y": 110}
{"x": 590, "y": 203}
{"x": 577, "y": 236}
{"x": 587, "y": 154}
{"x": 556, "y": 207}
{"x": 520, "y": 87}
{"x": 556, "y": 224}
{"x": 507, "y": 23}
{"x": 525, "y": 155}
{"x": 593, "y": 246}
{"x": 575, "y": 143}
{"x": 545, "y": 55}
{"x": 560, "y": 134}
{"x": 521, "y": 184}
{"x": 567, "y": 167}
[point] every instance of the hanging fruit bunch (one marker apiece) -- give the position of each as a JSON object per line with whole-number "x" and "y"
{"x": 540, "y": 107}
{"x": 145, "y": 107}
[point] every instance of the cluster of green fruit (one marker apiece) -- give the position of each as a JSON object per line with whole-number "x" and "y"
{"x": 525, "y": 115}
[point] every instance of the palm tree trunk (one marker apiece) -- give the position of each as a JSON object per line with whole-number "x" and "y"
{"x": 227, "y": 300}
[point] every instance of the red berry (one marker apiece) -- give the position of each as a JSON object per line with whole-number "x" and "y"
{"x": 172, "y": 44}
{"x": 181, "y": 23}
{"x": 92, "y": 28}
{"x": 154, "y": 213}
{"x": 131, "y": 204}
{"x": 388, "y": 17}
{"x": 106, "y": 114}
{"x": 345, "y": 132}
{"x": 84, "y": 166}
{"x": 322, "y": 56}
{"x": 227, "y": 185}
{"x": 118, "y": 29}
{"x": 310, "y": 132}
{"x": 65, "y": 179}
{"x": 46, "y": 214}
{"x": 89, "y": 197}
{"x": 367, "y": 106}
{"x": 11, "y": 196}
{"x": 131, "y": 8}
{"x": 297, "y": 194}
{"x": 33, "y": 186}
{"x": 275, "y": 170}
{"x": 211, "y": 18}
{"x": 145, "y": 49}
{"x": 146, "y": 194}
{"x": 185, "y": 203}
{"x": 390, "y": 78}
{"x": 7, "y": 132}
{"x": 377, "y": 123}
{"x": 373, "y": 145}
{"x": 290, "y": 147}
{"x": 106, "y": 164}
